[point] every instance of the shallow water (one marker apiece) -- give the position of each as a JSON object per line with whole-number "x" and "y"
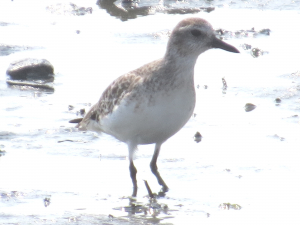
{"x": 245, "y": 158}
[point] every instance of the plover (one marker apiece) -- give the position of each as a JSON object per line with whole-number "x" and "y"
{"x": 152, "y": 103}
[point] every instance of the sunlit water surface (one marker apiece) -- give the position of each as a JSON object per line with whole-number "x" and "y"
{"x": 245, "y": 158}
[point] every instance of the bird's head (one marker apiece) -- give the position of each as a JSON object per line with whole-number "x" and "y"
{"x": 193, "y": 36}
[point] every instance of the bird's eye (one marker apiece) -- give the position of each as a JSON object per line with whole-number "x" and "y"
{"x": 196, "y": 33}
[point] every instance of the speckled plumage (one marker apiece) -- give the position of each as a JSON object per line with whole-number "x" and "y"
{"x": 150, "y": 104}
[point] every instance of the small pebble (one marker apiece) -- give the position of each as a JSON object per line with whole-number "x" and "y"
{"x": 265, "y": 31}
{"x": 82, "y": 112}
{"x": 246, "y": 46}
{"x": 47, "y": 202}
{"x": 249, "y": 107}
{"x": 224, "y": 83}
{"x": 277, "y": 100}
{"x": 197, "y": 137}
{"x": 256, "y": 52}
{"x": 110, "y": 217}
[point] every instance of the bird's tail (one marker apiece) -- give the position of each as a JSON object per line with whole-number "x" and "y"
{"x": 77, "y": 120}
{"x": 89, "y": 121}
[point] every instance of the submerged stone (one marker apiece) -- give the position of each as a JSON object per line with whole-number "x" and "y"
{"x": 30, "y": 69}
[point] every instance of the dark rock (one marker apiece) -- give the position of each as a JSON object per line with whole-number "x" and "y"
{"x": 31, "y": 74}
{"x": 30, "y": 69}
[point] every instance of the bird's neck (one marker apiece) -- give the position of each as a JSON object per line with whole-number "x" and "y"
{"x": 181, "y": 66}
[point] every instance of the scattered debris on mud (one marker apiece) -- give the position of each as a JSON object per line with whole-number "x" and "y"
{"x": 227, "y": 206}
{"x": 69, "y": 9}
{"x": 226, "y": 34}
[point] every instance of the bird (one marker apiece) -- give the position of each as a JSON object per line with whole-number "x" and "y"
{"x": 153, "y": 102}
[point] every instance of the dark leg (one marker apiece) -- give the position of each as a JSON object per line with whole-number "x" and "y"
{"x": 154, "y": 170}
{"x": 133, "y": 172}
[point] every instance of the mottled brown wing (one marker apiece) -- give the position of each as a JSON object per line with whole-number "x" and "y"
{"x": 111, "y": 97}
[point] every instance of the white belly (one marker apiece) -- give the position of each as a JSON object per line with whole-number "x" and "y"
{"x": 145, "y": 122}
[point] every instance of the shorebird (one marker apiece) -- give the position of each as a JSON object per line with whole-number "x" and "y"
{"x": 152, "y": 103}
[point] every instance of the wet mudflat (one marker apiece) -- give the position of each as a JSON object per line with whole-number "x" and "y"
{"x": 243, "y": 171}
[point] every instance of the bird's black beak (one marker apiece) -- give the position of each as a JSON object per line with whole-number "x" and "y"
{"x": 217, "y": 43}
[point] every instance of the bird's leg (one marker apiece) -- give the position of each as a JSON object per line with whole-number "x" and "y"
{"x": 133, "y": 172}
{"x": 154, "y": 170}
{"x": 132, "y": 169}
